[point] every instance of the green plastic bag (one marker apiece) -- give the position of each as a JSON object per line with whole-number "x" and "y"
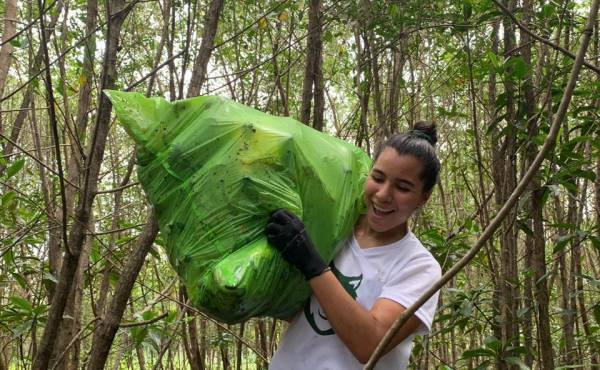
{"x": 214, "y": 170}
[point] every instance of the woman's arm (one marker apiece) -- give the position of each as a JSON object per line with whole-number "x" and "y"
{"x": 361, "y": 330}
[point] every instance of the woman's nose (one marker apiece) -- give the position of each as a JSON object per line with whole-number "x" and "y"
{"x": 384, "y": 192}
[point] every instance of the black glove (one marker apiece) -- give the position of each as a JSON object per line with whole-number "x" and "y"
{"x": 286, "y": 232}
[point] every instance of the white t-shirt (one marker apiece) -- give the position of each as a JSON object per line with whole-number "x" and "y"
{"x": 400, "y": 271}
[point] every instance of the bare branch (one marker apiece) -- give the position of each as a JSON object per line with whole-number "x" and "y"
{"x": 512, "y": 200}
{"x": 540, "y": 38}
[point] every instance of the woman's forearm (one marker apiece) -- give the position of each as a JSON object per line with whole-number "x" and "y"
{"x": 358, "y": 328}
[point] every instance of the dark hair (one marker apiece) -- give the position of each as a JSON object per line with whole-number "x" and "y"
{"x": 420, "y": 143}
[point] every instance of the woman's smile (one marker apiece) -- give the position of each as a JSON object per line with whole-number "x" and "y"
{"x": 393, "y": 191}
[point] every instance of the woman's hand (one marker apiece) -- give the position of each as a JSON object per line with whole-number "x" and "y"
{"x": 286, "y": 232}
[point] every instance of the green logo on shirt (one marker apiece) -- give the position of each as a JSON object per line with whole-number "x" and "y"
{"x": 312, "y": 310}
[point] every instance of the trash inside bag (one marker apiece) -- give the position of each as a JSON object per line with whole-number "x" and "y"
{"x": 214, "y": 170}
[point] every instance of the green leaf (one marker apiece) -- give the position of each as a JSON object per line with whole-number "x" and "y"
{"x": 149, "y": 315}
{"x": 49, "y": 277}
{"x": 547, "y": 11}
{"x": 395, "y": 12}
{"x": 517, "y": 67}
{"x": 479, "y": 352}
{"x": 21, "y": 302}
{"x": 595, "y": 242}
{"x": 586, "y": 174}
{"x": 8, "y": 198}
{"x": 9, "y": 257}
{"x": 493, "y": 58}
{"x": 483, "y": 366}
{"x": 466, "y": 308}
{"x": 492, "y": 343}
{"x": 16, "y": 42}
{"x": 138, "y": 334}
{"x": 22, "y": 329}
{"x": 597, "y": 313}
{"x": 14, "y": 168}
{"x": 516, "y": 361}
{"x": 20, "y": 280}
{"x": 560, "y": 242}
{"x": 467, "y": 10}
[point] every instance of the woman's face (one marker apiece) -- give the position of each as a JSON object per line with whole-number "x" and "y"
{"x": 393, "y": 191}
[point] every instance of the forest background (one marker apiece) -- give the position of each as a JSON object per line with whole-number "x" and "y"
{"x": 83, "y": 279}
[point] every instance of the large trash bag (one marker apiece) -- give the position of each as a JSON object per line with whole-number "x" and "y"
{"x": 214, "y": 170}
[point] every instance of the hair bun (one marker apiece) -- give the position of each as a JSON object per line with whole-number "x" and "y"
{"x": 426, "y": 130}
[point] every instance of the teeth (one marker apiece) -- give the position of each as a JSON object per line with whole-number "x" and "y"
{"x": 381, "y": 210}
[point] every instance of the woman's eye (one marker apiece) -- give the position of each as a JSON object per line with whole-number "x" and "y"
{"x": 377, "y": 179}
{"x": 402, "y": 188}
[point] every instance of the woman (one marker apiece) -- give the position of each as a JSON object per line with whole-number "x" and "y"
{"x": 382, "y": 269}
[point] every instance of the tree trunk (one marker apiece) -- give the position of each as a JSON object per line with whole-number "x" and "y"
{"x": 239, "y": 348}
{"x": 190, "y": 335}
{"x": 224, "y": 350}
{"x": 509, "y": 288}
{"x": 261, "y": 342}
{"x": 496, "y": 157}
{"x": 70, "y": 326}
{"x": 381, "y": 129}
{"x": 88, "y": 192}
{"x": 363, "y": 88}
{"x": 28, "y": 95}
{"x": 108, "y": 326}
{"x": 398, "y": 61}
{"x": 536, "y": 249}
{"x": 10, "y": 26}
{"x": 594, "y": 346}
{"x": 314, "y": 46}
{"x": 211, "y": 19}
{"x": 163, "y": 39}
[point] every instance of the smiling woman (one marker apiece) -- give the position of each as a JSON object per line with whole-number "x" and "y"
{"x": 382, "y": 269}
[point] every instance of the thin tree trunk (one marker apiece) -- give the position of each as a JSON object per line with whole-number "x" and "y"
{"x": 239, "y": 348}
{"x": 509, "y": 289}
{"x": 203, "y": 341}
{"x": 28, "y": 95}
{"x": 319, "y": 95}
{"x": 190, "y": 335}
{"x": 363, "y": 88}
{"x": 108, "y": 266}
{"x": 107, "y": 328}
{"x": 381, "y": 129}
{"x": 190, "y": 24}
{"x": 536, "y": 249}
{"x": 398, "y": 61}
{"x": 53, "y": 223}
{"x": 163, "y": 39}
{"x": 283, "y": 96}
{"x": 261, "y": 340}
{"x": 594, "y": 347}
{"x": 87, "y": 195}
{"x": 211, "y": 20}
{"x": 224, "y": 350}
{"x": 71, "y": 325}
{"x": 8, "y": 31}
{"x": 313, "y": 57}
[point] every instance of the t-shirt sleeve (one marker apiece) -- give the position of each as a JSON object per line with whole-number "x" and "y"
{"x": 407, "y": 283}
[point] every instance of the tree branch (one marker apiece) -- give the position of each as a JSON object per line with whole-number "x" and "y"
{"x": 36, "y": 159}
{"x": 541, "y": 39}
{"x": 54, "y": 125}
{"x": 514, "y": 197}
